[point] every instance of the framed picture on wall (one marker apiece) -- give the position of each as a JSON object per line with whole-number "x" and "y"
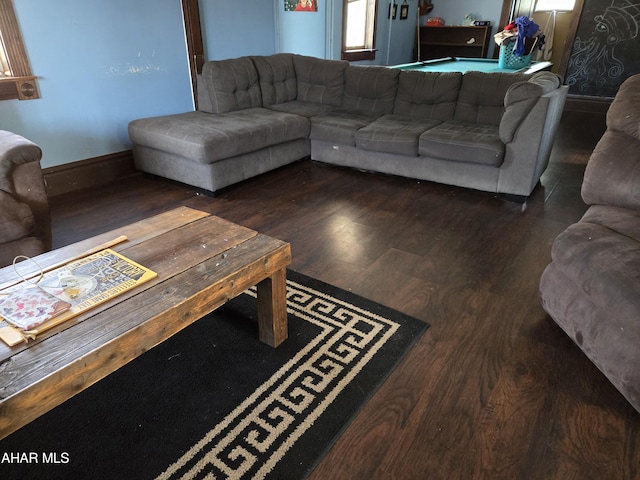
{"x": 393, "y": 10}
{"x": 300, "y": 5}
{"x": 404, "y": 11}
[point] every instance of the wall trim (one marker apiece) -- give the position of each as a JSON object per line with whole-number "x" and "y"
{"x": 580, "y": 103}
{"x": 89, "y": 173}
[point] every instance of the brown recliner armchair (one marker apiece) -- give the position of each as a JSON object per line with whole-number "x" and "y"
{"x": 25, "y": 221}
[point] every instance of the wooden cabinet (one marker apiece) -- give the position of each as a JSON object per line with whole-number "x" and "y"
{"x": 439, "y": 42}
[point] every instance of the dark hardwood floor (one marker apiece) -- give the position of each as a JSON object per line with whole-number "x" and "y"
{"x": 494, "y": 389}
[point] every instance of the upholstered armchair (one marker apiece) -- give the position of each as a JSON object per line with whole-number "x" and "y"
{"x": 25, "y": 222}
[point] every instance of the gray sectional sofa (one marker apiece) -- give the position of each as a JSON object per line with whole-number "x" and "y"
{"x": 591, "y": 289}
{"x": 486, "y": 131}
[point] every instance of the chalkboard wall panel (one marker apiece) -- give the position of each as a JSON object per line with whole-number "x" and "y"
{"x": 606, "y": 48}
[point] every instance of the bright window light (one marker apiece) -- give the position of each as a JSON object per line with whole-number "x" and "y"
{"x": 554, "y": 5}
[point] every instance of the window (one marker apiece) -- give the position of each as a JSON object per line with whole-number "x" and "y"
{"x": 359, "y": 29}
{"x": 554, "y": 5}
{"x": 16, "y": 79}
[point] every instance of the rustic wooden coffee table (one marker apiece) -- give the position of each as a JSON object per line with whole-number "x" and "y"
{"x": 202, "y": 261}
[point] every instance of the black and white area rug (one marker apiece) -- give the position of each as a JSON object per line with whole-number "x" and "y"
{"x": 214, "y": 402}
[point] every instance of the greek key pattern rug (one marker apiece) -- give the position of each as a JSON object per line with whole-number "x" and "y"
{"x": 213, "y": 402}
{"x": 256, "y": 435}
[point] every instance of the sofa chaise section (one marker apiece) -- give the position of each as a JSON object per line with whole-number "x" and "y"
{"x": 229, "y": 139}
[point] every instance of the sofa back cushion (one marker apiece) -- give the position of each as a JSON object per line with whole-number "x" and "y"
{"x": 481, "y": 98}
{"x": 319, "y": 81}
{"x": 231, "y": 85}
{"x": 624, "y": 113}
{"x": 427, "y": 95}
{"x": 277, "y": 78}
{"x": 612, "y": 176}
{"x": 370, "y": 90}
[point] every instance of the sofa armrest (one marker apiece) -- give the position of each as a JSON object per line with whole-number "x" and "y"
{"x": 612, "y": 176}
{"x": 520, "y": 99}
{"x": 25, "y": 219}
{"x": 527, "y": 155}
{"x": 15, "y": 150}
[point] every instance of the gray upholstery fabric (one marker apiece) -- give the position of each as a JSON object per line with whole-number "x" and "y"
{"x": 306, "y": 109}
{"x": 370, "y": 90}
{"x": 591, "y": 289}
{"x": 231, "y": 85}
{"x": 518, "y": 102}
{"x": 320, "y": 81}
{"x": 220, "y": 174}
{"x": 463, "y": 142}
{"x": 207, "y": 138}
{"x": 338, "y": 126}
{"x": 393, "y": 134}
{"x": 463, "y": 174}
{"x": 481, "y": 97}
{"x": 548, "y": 81}
{"x": 427, "y": 95}
{"x": 520, "y": 99}
{"x": 277, "y": 78}
{"x": 380, "y": 118}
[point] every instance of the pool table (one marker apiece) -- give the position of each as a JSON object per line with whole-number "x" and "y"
{"x": 459, "y": 64}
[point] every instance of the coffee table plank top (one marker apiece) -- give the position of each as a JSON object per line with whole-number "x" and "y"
{"x": 169, "y": 250}
{"x": 136, "y": 233}
{"x": 200, "y": 264}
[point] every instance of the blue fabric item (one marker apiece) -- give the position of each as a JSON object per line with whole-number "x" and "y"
{"x": 526, "y": 28}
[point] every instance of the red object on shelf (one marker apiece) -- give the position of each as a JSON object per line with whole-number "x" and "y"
{"x": 434, "y": 22}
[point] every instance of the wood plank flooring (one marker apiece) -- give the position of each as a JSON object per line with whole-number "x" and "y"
{"x": 494, "y": 389}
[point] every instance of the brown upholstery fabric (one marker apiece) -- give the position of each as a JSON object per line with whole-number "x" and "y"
{"x": 592, "y": 287}
{"x": 25, "y": 224}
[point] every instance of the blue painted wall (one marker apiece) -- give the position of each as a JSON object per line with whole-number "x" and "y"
{"x": 100, "y": 65}
{"x": 233, "y": 29}
{"x": 320, "y": 33}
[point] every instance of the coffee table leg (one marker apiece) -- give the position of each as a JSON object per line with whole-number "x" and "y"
{"x": 272, "y": 309}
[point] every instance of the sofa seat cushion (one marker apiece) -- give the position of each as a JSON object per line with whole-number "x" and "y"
{"x": 207, "y": 138}
{"x": 339, "y": 126}
{"x": 306, "y": 109}
{"x": 621, "y": 220}
{"x": 463, "y": 142}
{"x": 609, "y": 341}
{"x": 604, "y": 265}
{"x": 397, "y": 134}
